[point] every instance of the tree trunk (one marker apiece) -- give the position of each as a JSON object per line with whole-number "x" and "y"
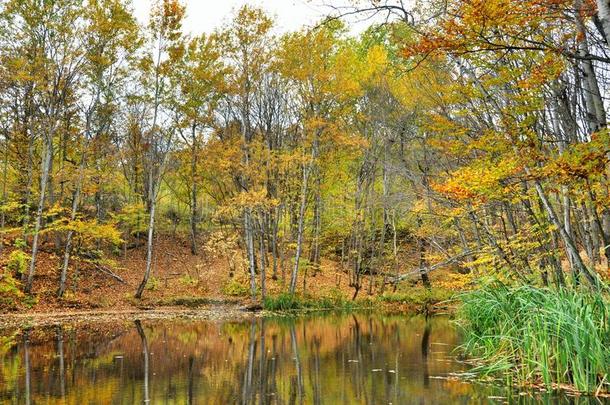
{"x": 571, "y": 249}
{"x": 301, "y": 221}
{"x": 603, "y": 12}
{"x": 274, "y": 225}
{"x": 44, "y": 178}
{"x": 149, "y": 249}
{"x": 4, "y": 194}
{"x": 248, "y": 231}
{"x": 421, "y": 245}
{"x": 68, "y": 248}
{"x": 193, "y": 221}
{"x": 263, "y": 253}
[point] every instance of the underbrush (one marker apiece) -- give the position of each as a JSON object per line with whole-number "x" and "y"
{"x": 10, "y": 292}
{"x": 539, "y": 336}
{"x": 418, "y": 296}
{"x": 290, "y": 302}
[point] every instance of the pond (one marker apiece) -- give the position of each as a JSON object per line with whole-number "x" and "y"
{"x": 317, "y": 359}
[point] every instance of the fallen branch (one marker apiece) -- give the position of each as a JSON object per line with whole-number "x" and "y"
{"x": 109, "y": 273}
{"x": 426, "y": 270}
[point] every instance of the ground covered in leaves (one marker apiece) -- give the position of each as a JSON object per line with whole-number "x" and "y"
{"x": 181, "y": 280}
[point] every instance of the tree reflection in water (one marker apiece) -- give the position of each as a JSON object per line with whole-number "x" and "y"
{"x": 322, "y": 359}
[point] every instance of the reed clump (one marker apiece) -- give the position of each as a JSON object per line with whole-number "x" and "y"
{"x": 540, "y": 336}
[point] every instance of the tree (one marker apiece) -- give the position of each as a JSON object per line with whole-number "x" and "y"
{"x": 157, "y": 130}
{"x": 200, "y": 81}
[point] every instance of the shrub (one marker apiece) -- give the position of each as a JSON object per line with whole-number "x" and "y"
{"x": 153, "y": 284}
{"x": 235, "y": 289}
{"x": 189, "y": 280}
{"x": 18, "y": 262}
{"x": 10, "y": 293}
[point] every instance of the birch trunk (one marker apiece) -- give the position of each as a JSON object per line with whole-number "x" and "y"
{"x": 44, "y": 178}
{"x": 301, "y": 221}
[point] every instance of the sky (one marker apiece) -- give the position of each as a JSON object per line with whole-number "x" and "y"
{"x": 206, "y": 15}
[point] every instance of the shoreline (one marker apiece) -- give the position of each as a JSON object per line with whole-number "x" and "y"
{"x": 226, "y": 311}
{"x": 41, "y": 319}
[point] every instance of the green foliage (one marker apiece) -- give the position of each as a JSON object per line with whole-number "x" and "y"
{"x": 132, "y": 218}
{"x": 20, "y": 243}
{"x": 10, "y": 292}
{"x": 417, "y": 296}
{"x": 18, "y": 262}
{"x": 153, "y": 284}
{"x": 537, "y": 334}
{"x": 235, "y": 289}
{"x": 282, "y": 302}
{"x": 334, "y": 301}
{"x": 189, "y": 280}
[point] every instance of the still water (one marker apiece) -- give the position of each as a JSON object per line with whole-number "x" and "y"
{"x": 321, "y": 359}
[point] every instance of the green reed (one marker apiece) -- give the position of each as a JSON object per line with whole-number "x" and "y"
{"x": 540, "y": 336}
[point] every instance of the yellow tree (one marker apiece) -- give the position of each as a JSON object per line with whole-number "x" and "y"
{"x": 322, "y": 69}
{"x": 166, "y": 46}
{"x": 199, "y": 80}
{"x": 246, "y": 41}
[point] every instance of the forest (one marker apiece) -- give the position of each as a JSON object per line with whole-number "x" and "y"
{"x": 452, "y": 147}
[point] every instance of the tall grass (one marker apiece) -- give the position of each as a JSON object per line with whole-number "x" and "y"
{"x": 289, "y": 302}
{"x": 540, "y": 336}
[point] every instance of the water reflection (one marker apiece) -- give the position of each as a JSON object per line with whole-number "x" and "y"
{"x": 325, "y": 359}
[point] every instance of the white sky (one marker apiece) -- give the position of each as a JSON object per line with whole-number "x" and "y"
{"x": 206, "y": 15}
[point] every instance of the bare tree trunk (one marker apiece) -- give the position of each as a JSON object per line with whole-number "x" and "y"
{"x": 149, "y": 248}
{"x": 193, "y": 219}
{"x": 44, "y": 178}
{"x": 571, "y": 249}
{"x": 275, "y": 221}
{"x": 28, "y": 191}
{"x": 314, "y": 254}
{"x": 250, "y": 250}
{"x": 4, "y": 193}
{"x": 68, "y": 248}
{"x": 421, "y": 245}
{"x": 263, "y": 253}
{"x": 605, "y": 240}
{"x": 301, "y": 221}
{"x": 603, "y": 12}
{"x": 394, "y": 246}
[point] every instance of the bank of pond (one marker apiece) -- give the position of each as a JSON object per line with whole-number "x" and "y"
{"x": 346, "y": 357}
